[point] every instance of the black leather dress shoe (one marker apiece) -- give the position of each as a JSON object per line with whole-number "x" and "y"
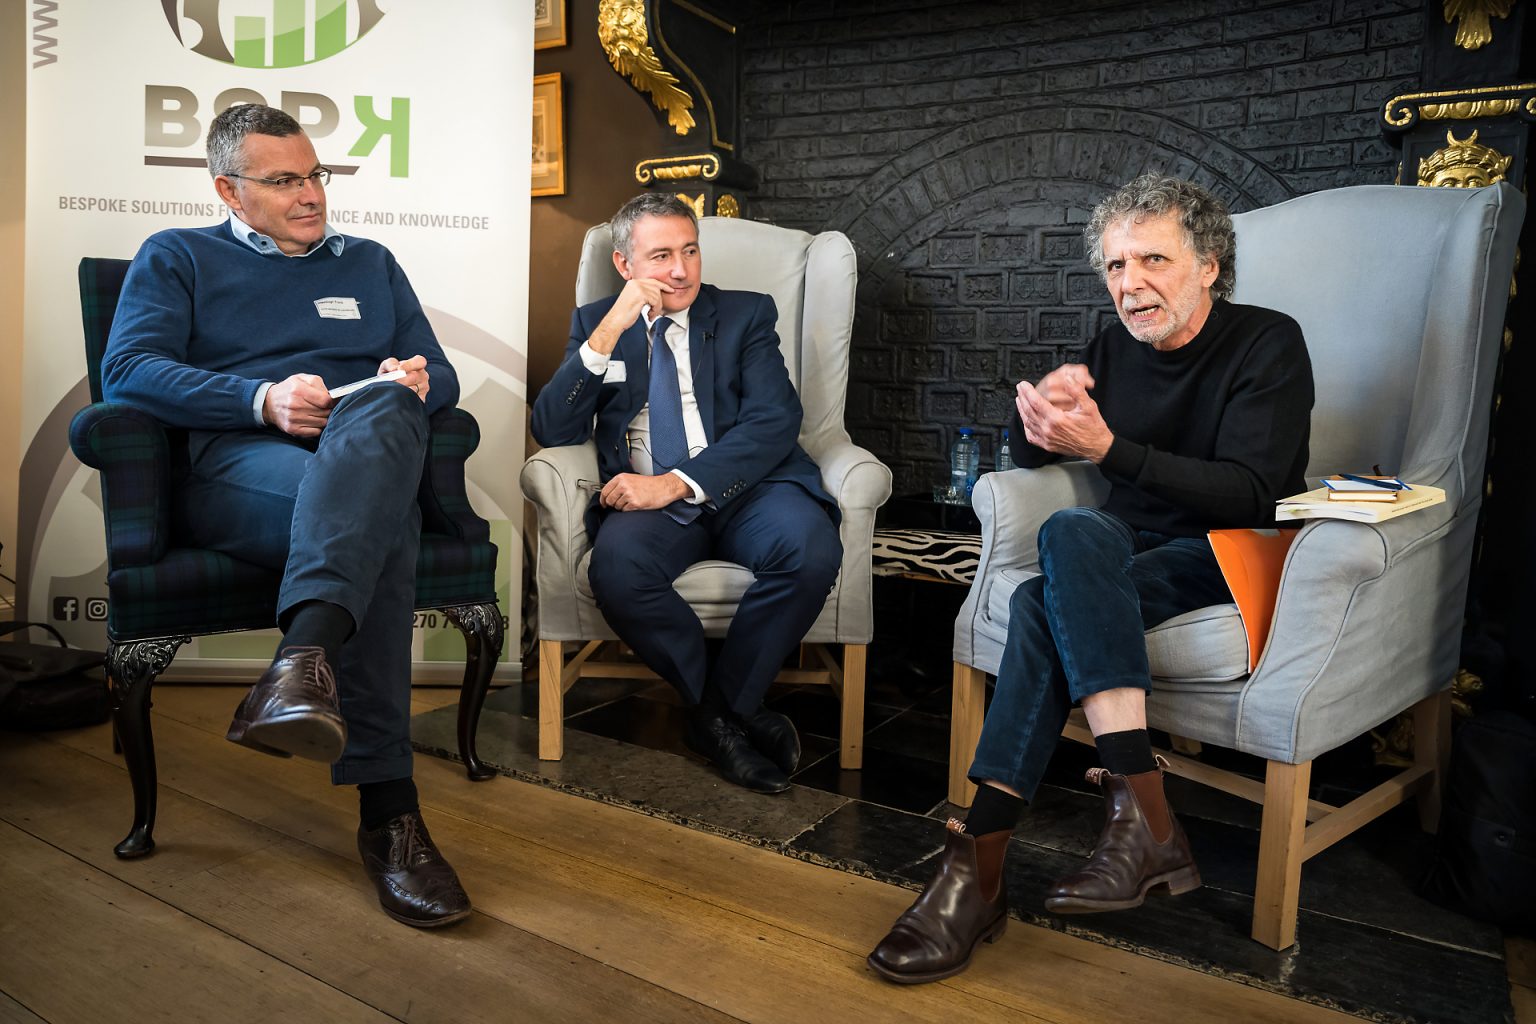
{"x": 416, "y": 885}
{"x": 721, "y": 741}
{"x": 293, "y": 709}
{"x": 774, "y": 734}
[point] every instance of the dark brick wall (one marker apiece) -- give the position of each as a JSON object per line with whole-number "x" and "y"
{"x": 960, "y": 145}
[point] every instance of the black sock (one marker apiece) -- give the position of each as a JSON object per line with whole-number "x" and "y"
{"x": 993, "y": 811}
{"x": 1126, "y": 753}
{"x": 712, "y": 703}
{"x": 381, "y": 802}
{"x": 319, "y": 624}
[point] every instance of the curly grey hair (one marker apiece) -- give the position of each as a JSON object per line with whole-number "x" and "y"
{"x": 226, "y": 135}
{"x": 646, "y": 204}
{"x": 1204, "y": 217}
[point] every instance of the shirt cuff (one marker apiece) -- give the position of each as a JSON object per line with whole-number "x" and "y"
{"x": 595, "y": 362}
{"x": 261, "y": 401}
{"x": 699, "y": 497}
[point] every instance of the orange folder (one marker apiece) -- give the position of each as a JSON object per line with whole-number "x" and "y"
{"x": 1251, "y": 561}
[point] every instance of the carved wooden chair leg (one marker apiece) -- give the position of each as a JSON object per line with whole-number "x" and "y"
{"x": 131, "y": 671}
{"x": 483, "y": 635}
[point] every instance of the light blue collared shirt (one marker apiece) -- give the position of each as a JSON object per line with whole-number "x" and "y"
{"x": 264, "y": 244}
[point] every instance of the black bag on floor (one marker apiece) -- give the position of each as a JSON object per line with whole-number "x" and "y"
{"x": 48, "y": 687}
{"x": 1485, "y": 858}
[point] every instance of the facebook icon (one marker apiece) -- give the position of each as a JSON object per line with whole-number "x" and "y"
{"x": 66, "y": 608}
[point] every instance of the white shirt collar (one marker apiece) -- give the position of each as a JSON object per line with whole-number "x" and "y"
{"x": 266, "y": 246}
{"x": 680, "y": 318}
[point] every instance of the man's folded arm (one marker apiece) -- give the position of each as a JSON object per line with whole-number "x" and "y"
{"x": 144, "y": 364}
{"x": 414, "y": 336}
{"x": 563, "y": 413}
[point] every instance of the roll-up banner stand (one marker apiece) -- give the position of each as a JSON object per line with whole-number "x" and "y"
{"x": 423, "y": 111}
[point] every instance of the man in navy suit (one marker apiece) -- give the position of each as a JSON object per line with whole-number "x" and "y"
{"x": 684, "y": 389}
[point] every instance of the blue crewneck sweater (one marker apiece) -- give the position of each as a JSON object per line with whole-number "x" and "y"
{"x": 204, "y": 319}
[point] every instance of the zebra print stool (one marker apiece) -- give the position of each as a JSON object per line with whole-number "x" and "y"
{"x": 939, "y": 555}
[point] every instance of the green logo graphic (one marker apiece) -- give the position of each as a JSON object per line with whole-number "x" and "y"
{"x": 293, "y": 40}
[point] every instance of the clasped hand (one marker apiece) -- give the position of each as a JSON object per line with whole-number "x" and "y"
{"x": 301, "y": 405}
{"x": 635, "y": 492}
{"x": 1059, "y": 416}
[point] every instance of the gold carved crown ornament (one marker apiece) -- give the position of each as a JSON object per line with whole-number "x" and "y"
{"x": 1463, "y": 163}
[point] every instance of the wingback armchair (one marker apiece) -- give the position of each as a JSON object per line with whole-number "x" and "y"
{"x": 1401, "y": 295}
{"x": 811, "y": 279}
{"x": 162, "y": 593}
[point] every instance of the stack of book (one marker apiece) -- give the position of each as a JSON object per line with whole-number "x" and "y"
{"x": 1366, "y": 499}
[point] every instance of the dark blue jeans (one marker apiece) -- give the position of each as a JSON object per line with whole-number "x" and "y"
{"x": 338, "y": 517}
{"x": 1077, "y": 629}
{"x": 776, "y": 529}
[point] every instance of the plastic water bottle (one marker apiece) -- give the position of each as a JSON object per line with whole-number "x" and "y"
{"x": 964, "y": 463}
{"x": 1005, "y": 455}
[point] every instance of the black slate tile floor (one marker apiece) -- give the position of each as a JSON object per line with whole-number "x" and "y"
{"x": 1367, "y": 943}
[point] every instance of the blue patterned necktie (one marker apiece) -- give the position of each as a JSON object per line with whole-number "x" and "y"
{"x": 669, "y": 439}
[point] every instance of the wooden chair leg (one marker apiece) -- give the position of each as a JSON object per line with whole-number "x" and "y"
{"x": 967, "y": 704}
{"x": 551, "y": 700}
{"x": 131, "y": 671}
{"x": 851, "y": 756}
{"x": 482, "y": 628}
{"x": 1432, "y": 749}
{"x": 1282, "y": 832}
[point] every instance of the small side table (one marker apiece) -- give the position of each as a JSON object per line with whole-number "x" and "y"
{"x": 922, "y": 539}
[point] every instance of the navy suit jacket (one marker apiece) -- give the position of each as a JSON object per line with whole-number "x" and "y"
{"x": 750, "y": 410}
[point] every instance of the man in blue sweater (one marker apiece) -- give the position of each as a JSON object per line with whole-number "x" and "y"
{"x": 235, "y": 333}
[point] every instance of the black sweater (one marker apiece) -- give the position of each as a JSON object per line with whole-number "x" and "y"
{"x": 1208, "y": 435}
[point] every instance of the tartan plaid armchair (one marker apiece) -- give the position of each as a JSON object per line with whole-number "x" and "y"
{"x": 162, "y": 594}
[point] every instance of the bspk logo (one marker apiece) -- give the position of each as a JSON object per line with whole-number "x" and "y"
{"x": 270, "y": 33}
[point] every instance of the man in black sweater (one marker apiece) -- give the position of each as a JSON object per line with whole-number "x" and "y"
{"x": 1197, "y": 412}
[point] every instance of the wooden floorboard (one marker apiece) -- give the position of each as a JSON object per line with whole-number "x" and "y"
{"x": 12, "y": 1012}
{"x": 82, "y": 946}
{"x": 584, "y": 910}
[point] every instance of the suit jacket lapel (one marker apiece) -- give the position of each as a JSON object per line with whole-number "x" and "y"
{"x": 701, "y": 357}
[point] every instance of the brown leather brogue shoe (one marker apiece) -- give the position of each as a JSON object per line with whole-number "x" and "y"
{"x": 416, "y": 885}
{"x": 292, "y": 709}
{"x": 1141, "y": 847}
{"x": 964, "y": 905}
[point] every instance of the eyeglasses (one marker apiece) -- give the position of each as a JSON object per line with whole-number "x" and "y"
{"x": 291, "y": 182}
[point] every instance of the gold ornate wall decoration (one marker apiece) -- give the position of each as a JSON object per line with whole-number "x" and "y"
{"x": 697, "y": 202}
{"x": 1460, "y": 104}
{"x": 1463, "y": 163}
{"x": 621, "y": 29}
{"x": 678, "y": 168}
{"x": 727, "y": 206}
{"x": 1467, "y": 110}
{"x": 1473, "y": 29}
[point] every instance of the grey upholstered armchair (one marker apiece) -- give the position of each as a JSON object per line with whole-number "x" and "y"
{"x": 812, "y": 280}
{"x": 1401, "y": 295}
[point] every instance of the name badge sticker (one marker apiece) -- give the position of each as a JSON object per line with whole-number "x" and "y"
{"x": 617, "y": 372}
{"x": 337, "y": 308}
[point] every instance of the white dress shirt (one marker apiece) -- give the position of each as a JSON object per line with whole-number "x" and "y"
{"x": 639, "y": 432}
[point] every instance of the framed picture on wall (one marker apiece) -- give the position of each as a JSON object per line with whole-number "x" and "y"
{"x": 548, "y": 137}
{"x": 548, "y": 23}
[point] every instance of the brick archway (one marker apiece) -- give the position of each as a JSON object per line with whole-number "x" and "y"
{"x": 971, "y": 264}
